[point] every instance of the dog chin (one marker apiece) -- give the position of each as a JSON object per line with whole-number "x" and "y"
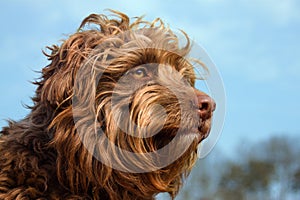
{"x": 200, "y": 133}
{"x": 204, "y": 129}
{"x": 193, "y": 136}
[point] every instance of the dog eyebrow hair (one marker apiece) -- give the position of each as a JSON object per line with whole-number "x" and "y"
{"x": 90, "y": 134}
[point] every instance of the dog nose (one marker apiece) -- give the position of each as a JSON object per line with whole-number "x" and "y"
{"x": 206, "y": 105}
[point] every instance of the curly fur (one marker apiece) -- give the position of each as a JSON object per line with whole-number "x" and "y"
{"x": 44, "y": 157}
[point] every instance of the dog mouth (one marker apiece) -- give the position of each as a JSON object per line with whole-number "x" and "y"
{"x": 204, "y": 130}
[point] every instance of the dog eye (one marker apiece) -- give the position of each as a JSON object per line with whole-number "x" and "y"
{"x": 139, "y": 73}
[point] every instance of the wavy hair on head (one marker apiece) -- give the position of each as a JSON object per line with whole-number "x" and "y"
{"x": 102, "y": 51}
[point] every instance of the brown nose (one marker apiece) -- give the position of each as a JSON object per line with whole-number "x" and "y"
{"x": 206, "y": 105}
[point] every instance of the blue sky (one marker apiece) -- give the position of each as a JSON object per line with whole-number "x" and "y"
{"x": 255, "y": 45}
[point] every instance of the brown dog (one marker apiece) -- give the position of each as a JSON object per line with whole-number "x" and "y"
{"x": 115, "y": 116}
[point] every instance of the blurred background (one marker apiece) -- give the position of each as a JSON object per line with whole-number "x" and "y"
{"x": 256, "y": 47}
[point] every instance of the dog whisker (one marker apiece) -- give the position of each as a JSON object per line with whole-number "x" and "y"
{"x": 116, "y": 115}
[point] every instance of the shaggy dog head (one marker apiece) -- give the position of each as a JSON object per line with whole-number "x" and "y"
{"x": 119, "y": 105}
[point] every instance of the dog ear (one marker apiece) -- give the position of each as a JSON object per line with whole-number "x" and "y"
{"x": 56, "y": 86}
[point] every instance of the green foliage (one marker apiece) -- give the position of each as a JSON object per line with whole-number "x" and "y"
{"x": 250, "y": 176}
{"x": 296, "y": 180}
{"x": 264, "y": 170}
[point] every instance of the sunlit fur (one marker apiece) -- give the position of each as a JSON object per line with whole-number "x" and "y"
{"x": 43, "y": 156}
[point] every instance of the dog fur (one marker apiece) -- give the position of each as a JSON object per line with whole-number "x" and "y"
{"x": 44, "y": 157}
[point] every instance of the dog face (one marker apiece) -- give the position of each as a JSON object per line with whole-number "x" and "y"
{"x": 125, "y": 109}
